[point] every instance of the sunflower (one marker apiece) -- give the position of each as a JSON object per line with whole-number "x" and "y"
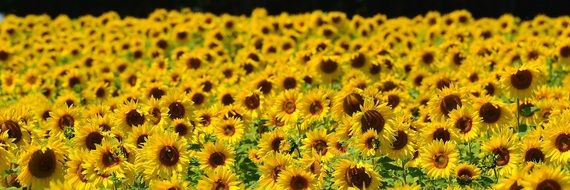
{"x": 103, "y": 162}
{"x": 466, "y": 173}
{"x": 347, "y": 102}
{"x": 88, "y": 136}
{"x": 349, "y": 174}
{"x": 205, "y": 117}
{"x": 328, "y": 67}
{"x": 369, "y": 143}
{"x": 230, "y": 130}
{"x": 272, "y": 168}
{"x": 317, "y": 142}
{"x": 503, "y": 145}
{"x": 130, "y": 114}
{"x": 178, "y": 105}
{"x": 163, "y": 155}
{"x": 314, "y": 106}
{"x": 493, "y": 113}
{"x": 373, "y": 116}
{"x": 438, "y": 159}
{"x": 527, "y": 111}
{"x": 545, "y": 177}
{"x": 521, "y": 82}
{"x": 139, "y": 135}
{"x": 214, "y": 156}
{"x": 252, "y": 102}
{"x": 174, "y": 182}
{"x": 155, "y": 111}
{"x": 184, "y": 128}
{"x": 286, "y": 105}
{"x": 439, "y": 131}
{"x": 531, "y": 148}
{"x": 220, "y": 178}
{"x": 75, "y": 172}
{"x": 465, "y": 122}
{"x": 296, "y": 179}
{"x": 447, "y": 100}
{"x": 556, "y": 141}
{"x": 11, "y": 124}
{"x": 404, "y": 186}
{"x": 42, "y": 164}
{"x": 404, "y": 137}
{"x": 63, "y": 117}
{"x": 273, "y": 142}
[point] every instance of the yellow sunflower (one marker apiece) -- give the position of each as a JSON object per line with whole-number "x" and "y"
{"x": 220, "y": 178}
{"x": 439, "y": 159}
{"x": 296, "y": 179}
{"x": 214, "y": 156}
{"x": 351, "y": 175}
{"x": 163, "y": 155}
{"x": 42, "y": 164}
{"x": 521, "y": 82}
{"x": 547, "y": 177}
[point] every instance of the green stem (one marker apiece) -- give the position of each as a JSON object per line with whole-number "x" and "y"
{"x": 518, "y": 115}
{"x": 404, "y": 171}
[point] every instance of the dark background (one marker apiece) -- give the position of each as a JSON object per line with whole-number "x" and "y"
{"x": 525, "y": 9}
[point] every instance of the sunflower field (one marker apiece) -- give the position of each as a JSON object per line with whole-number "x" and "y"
{"x": 320, "y": 100}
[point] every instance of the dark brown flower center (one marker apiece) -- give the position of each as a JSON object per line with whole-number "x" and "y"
{"x": 109, "y": 159}
{"x": 252, "y": 102}
{"x": 289, "y": 106}
{"x": 169, "y": 156}
{"x": 534, "y": 155}
{"x": 276, "y": 143}
{"x": 217, "y": 159}
{"x": 328, "y": 66}
{"x": 372, "y": 119}
{"x": 220, "y": 185}
{"x": 316, "y": 107}
{"x": 443, "y": 83}
{"x": 440, "y": 160}
{"x": 401, "y": 140}
{"x": 358, "y": 61}
{"x": 427, "y": 58}
{"x": 490, "y": 113}
{"x": 351, "y": 103}
{"x": 176, "y": 110}
{"x": 320, "y": 146}
{"x": 465, "y": 173}
{"x": 265, "y": 86}
{"x": 503, "y": 156}
{"x": 66, "y": 121}
{"x": 565, "y": 51}
{"x": 441, "y": 134}
{"x": 198, "y": 98}
{"x": 464, "y": 124}
{"x": 156, "y": 93}
{"x": 549, "y": 184}
{"x": 181, "y": 129}
{"x": 449, "y": 103}
{"x": 562, "y": 142}
{"x": 13, "y": 129}
{"x": 229, "y": 130}
{"x": 227, "y": 99}
{"x": 357, "y": 177}
{"x": 289, "y": 83}
{"x": 393, "y": 100}
{"x": 141, "y": 140}
{"x": 42, "y": 164}
{"x": 298, "y": 183}
{"x": 134, "y": 118}
{"x": 93, "y": 139}
{"x": 521, "y": 79}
